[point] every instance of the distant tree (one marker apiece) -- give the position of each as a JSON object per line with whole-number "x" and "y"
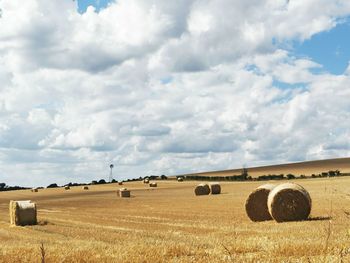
{"x": 94, "y": 182}
{"x": 2, "y": 185}
{"x": 102, "y": 181}
{"x": 290, "y": 176}
{"x": 163, "y": 177}
{"x": 324, "y": 174}
{"x": 54, "y": 185}
{"x": 331, "y": 173}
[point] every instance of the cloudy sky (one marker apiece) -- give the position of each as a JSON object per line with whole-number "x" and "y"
{"x": 169, "y": 87}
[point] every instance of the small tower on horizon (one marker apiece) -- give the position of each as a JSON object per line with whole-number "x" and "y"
{"x": 111, "y": 172}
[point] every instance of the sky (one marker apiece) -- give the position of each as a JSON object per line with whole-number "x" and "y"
{"x": 169, "y": 87}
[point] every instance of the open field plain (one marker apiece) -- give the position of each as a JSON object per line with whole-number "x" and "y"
{"x": 171, "y": 224}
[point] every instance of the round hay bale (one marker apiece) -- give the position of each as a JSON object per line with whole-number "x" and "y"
{"x": 153, "y": 185}
{"x": 85, "y": 188}
{"x": 34, "y": 190}
{"x": 180, "y": 179}
{"x": 120, "y": 183}
{"x": 123, "y": 192}
{"x": 146, "y": 181}
{"x": 256, "y": 203}
{"x": 289, "y": 202}
{"x": 202, "y": 189}
{"x": 23, "y": 213}
{"x": 66, "y": 187}
{"x": 215, "y": 188}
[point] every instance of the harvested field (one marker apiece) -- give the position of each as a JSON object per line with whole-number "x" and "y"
{"x": 305, "y": 168}
{"x": 170, "y": 224}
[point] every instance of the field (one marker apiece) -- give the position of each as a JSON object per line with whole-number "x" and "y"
{"x": 170, "y": 224}
{"x": 301, "y": 168}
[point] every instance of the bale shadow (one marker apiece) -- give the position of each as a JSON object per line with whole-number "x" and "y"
{"x": 44, "y": 223}
{"x": 319, "y": 218}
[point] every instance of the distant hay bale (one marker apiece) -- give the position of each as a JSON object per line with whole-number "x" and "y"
{"x": 120, "y": 183}
{"x": 85, "y": 187}
{"x": 66, "y": 187}
{"x": 256, "y": 203}
{"x": 202, "y": 189}
{"x": 153, "y": 185}
{"x": 22, "y": 213}
{"x": 34, "y": 190}
{"x": 215, "y": 188}
{"x": 123, "y": 192}
{"x": 289, "y": 202}
{"x": 180, "y": 179}
{"x": 146, "y": 181}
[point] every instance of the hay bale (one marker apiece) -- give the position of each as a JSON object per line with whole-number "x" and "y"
{"x": 215, "y": 188}
{"x": 180, "y": 179}
{"x": 289, "y": 202}
{"x": 22, "y": 213}
{"x": 153, "y": 185}
{"x": 202, "y": 189}
{"x": 120, "y": 183}
{"x": 34, "y": 190}
{"x": 146, "y": 181}
{"x": 123, "y": 192}
{"x": 66, "y": 187}
{"x": 256, "y": 204}
{"x": 85, "y": 187}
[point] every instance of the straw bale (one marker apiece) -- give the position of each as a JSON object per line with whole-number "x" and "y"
{"x": 289, "y": 202}
{"x": 215, "y": 188}
{"x": 256, "y": 203}
{"x": 22, "y": 213}
{"x": 202, "y": 189}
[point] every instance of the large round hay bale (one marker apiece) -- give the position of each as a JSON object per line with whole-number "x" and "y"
{"x": 85, "y": 187}
{"x": 23, "y": 213}
{"x": 120, "y": 183}
{"x": 215, "y": 188}
{"x": 34, "y": 190}
{"x": 146, "y": 181}
{"x": 289, "y": 202}
{"x": 202, "y": 189}
{"x": 256, "y": 204}
{"x": 180, "y": 179}
{"x": 66, "y": 187}
{"x": 153, "y": 185}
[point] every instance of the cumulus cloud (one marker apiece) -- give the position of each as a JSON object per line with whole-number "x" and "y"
{"x": 164, "y": 88}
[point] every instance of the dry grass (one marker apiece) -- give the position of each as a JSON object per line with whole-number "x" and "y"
{"x": 170, "y": 224}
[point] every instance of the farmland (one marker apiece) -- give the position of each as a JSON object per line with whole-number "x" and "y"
{"x": 299, "y": 168}
{"x": 170, "y": 224}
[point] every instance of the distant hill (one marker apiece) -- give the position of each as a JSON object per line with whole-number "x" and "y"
{"x": 299, "y": 168}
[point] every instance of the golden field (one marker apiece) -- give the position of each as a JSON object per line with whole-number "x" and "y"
{"x": 301, "y": 168}
{"x": 170, "y": 224}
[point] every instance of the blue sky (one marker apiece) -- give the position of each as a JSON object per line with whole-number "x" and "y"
{"x": 329, "y": 48}
{"x": 169, "y": 87}
{"x": 98, "y": 4}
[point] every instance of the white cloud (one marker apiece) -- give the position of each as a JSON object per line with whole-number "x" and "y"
{"x": 163, "y": 87}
